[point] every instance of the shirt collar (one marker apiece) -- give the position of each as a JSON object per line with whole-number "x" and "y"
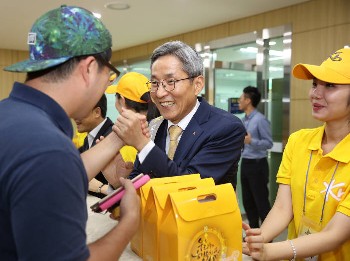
{"x": 251, "y": 115}
{"x": 40, "y": 100}
{"x": 316, "y": 141}
{"x": 340, "y": 151}
{"x": 95, "y": 131}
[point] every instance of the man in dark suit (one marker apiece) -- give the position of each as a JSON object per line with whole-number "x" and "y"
{"x": 96, "y": 124}
{"x": 210, "y": 139}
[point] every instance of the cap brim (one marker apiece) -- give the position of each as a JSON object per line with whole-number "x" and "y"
{"x": 323, "y": 73}
{"x": 111, "y": 89}
{"x": 33, "y": 65}
{"x": 301, "y": 71}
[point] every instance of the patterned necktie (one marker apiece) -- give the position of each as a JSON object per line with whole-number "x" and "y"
{"x": 174, "y": 132}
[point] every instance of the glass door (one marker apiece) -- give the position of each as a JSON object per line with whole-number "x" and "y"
{"x": 260, "y": 59}
{"x": 235, "y": 68}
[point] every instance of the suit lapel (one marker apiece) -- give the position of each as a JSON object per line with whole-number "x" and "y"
{"x": 160, "y": 138}
{"x": 188, "y": 139}
{"x": 191, "y": 134}
{"x": 86, "y": 144}
{"x": 193, "y": 131}
{"x": 104, "y": 131}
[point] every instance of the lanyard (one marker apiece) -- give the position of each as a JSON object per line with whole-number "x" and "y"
{"x": 329, "y": 185}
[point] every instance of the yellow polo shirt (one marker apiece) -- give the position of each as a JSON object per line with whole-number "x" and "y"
{"x": 293, "y": 169}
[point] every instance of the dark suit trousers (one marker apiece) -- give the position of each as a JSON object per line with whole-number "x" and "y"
{"x": 254, "y": 179}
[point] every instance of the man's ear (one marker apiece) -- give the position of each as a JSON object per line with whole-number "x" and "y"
{"x": 249, "y": 100}
{"x": 198, "y": 84}
{"x": 86, "y": 67}
{"x": 97, "y": 112}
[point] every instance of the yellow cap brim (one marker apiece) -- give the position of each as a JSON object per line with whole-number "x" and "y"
{"x": 111, "y": 89}
{"x": 323, "y": 73}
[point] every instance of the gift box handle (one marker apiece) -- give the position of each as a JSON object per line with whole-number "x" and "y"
{"x": 187, "y": 188}
{"x": 206, "y": 198}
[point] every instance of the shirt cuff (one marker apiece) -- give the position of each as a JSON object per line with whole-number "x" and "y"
{"x": 110, "y": 189}
{"x": 145, "y": 151}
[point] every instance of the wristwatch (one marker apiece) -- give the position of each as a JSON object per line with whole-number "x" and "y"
{"x": 99, "y": 188}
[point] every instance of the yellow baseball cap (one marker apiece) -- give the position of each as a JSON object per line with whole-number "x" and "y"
{"x": 336, "y": 69}
{"x": 132, "y": 86}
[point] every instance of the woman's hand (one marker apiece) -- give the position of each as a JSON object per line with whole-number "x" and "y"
{"x": 254, "y": 245}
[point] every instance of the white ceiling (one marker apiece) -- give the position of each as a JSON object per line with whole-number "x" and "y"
{"x": 145, "y": 21}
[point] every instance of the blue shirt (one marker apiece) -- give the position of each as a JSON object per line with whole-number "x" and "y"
{"x": 259, "y": 128}
{"x": 43, "y": 183}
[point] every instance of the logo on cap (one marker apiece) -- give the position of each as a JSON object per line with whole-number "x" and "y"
{"x": 335, "y": 57}
{"x": 31, "y": 38}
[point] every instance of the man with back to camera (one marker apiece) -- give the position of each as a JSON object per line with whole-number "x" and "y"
{"x": 43, "y": 179}
{"x": 254, "y": 165}
{"x": 210, "y": 139}
{"x": 96, "y": 124}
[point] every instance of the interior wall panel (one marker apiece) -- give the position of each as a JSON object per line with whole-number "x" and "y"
{"x": 8, "y": 57}
{"x": 319, "y": 27}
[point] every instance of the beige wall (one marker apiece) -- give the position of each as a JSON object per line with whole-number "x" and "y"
{"x": 319, "y": 28}
{"x": 8, "y": 57}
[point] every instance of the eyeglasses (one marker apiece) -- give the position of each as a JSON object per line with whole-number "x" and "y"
{"x": 168, "y": 85}
{"x": 114, "y": 73}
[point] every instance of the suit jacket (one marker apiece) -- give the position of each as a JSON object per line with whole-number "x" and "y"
{"x": 104, "y": 131}
{"x": 210, "y": 145}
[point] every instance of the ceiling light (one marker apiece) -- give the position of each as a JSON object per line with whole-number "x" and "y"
{"x": 249, "y": 49}
{"x": 117, "y": 6}
{"x": 259, "y": 42}
{"x": 287, "y": 41}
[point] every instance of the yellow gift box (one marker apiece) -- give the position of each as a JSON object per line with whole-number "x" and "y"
{"x": 201, "y": 224}
{"x": 136, "y": 242}
{"x": 154, "y": 210}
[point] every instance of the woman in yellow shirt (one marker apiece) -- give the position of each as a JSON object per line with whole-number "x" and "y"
{"x": 313, "y": 198}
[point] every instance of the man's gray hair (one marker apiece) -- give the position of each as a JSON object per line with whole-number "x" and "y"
{"x": 192, "y": 62}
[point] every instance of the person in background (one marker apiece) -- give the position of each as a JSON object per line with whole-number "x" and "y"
{"x": 43, "y": 178}
{"x": 96, "y": 124}
{"x": 254, "y": 165}
{"x": 209, "y": 139}
{"x": 314, "y": 182}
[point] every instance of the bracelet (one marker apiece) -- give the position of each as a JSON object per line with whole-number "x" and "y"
{"x": 294, "y": 250}
{"x": 99, "y": 188}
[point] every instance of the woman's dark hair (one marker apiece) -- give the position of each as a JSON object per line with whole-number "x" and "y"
{"x": 152, "y": 112}
{"x": 149, "y": 106}
{"x": 137, "y": 106}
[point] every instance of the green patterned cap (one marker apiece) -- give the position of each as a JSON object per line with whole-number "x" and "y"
{"x": 61, "y": 34}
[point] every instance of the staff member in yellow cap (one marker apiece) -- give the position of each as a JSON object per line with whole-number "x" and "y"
{"x": 314, "y": 176}
{"x": 131, "y": 92}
